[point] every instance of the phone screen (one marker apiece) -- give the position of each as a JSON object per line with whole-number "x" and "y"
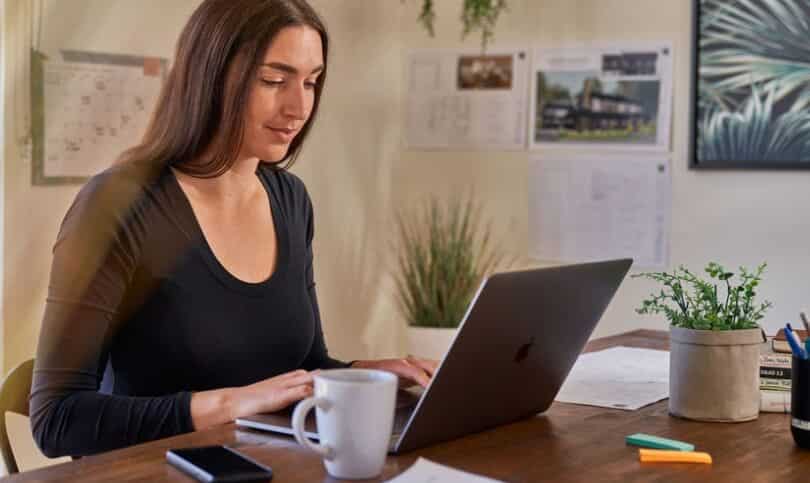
{"x": 219, "y": 462}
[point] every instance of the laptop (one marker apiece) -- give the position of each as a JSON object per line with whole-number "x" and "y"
{"x": 519, "y": 338}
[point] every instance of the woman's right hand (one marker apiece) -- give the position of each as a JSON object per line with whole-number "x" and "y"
{"x": 272, "y": 394}
{"x": 210, "y": 408}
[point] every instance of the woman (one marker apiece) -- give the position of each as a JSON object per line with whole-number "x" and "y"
{"x": 187, "y": 267}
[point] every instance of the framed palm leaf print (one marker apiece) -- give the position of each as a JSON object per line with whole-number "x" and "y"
{"x": 751, "y": 84}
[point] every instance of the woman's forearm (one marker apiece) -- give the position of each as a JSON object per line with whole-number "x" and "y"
{"x": 212, "y": 408}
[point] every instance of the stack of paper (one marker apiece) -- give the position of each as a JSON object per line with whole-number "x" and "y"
{"x": 620, "y": 378}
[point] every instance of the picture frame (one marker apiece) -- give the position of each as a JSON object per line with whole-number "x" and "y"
{"x": 750, "y": 95}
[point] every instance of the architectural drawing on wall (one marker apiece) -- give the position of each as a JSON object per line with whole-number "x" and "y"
{"x": 612, "y": 96}
{"x": 87, "y": 109}
{"x": 599, "y": 207}
{"x": 459, "y": 99}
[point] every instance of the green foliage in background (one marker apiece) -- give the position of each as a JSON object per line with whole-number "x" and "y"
{"x": 694, "y": 303}
{"x": 444, "y": 251}
{"x": 476, "y": 15}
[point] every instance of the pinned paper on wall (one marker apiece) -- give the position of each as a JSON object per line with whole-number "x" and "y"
{"x": 463, "y": 99}
{"x": 88, "y": 108}
{"x": 602, "y": 97}
{"x": 600, "y": 207}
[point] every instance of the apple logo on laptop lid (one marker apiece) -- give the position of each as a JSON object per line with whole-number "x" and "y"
{"x": 523, "y": 351}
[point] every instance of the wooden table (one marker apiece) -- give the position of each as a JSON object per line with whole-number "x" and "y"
{"x": 567, "y": 443}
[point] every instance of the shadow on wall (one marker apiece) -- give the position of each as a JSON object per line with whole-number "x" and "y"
{"x": 26, "y": 283}
{"x": 354, "y": 188}
{"x": 350, "y": 178}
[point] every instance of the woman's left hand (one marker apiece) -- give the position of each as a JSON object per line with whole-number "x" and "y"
{"x": 411, "y": 370}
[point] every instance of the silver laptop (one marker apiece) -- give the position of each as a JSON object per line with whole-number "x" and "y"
{"x": 521, "y": 335}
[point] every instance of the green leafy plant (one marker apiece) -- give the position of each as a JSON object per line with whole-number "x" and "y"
{"x": 694, "y": 303}
{"x": 475, "y": 15}
{"x": 444, "y": 251}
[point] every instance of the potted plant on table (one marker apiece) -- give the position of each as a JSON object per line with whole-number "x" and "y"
{"x": 714, "y": 341}
{"x": 444, "y": 251}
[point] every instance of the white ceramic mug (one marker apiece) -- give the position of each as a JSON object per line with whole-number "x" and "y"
{"x": 354, "y": 414}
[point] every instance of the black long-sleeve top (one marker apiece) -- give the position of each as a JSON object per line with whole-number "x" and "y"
{"x": 135, "y": 284}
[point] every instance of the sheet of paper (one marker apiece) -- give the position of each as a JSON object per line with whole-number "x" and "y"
{"x": 602, "y": 96}
{"x": 426, "y": 471}
{"x": 461, "y": 99}
{"x": 620, "y": 378}
{"x": 94, "y": 110}
{"x": 599, "y": 207}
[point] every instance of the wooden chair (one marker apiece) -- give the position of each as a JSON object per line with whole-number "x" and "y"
{"x": 14, "y": 392}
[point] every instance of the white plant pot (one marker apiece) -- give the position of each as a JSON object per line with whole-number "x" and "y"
{"x": 429, "y": 342}
{"x": 714, "y": 375}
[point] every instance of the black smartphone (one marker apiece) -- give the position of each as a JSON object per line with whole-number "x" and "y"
{"x": 218, "y": 464}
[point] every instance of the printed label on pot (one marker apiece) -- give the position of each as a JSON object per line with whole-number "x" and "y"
{"x": 801, "y": 424}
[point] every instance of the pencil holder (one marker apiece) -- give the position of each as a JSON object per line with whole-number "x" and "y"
{"x": 800, "y": 401}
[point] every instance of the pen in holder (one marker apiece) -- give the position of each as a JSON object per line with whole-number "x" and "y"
{"x": 800, "y": 401}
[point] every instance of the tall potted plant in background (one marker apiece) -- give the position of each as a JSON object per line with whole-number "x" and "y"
{"x": 714, "y": 341}
{"x": 444, "y": 251}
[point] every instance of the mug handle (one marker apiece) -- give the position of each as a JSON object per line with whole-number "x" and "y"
{"x": 298, "y": 418}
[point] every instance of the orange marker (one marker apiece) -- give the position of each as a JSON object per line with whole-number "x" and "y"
{"x": 667, "y": 456}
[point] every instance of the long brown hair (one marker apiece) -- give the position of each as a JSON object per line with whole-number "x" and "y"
{"x": 202, "y": 106}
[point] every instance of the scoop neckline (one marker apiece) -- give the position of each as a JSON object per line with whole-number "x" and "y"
{"x": 216, "y": 267}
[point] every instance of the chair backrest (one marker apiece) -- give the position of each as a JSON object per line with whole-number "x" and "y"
{"x": 14, "y": 392}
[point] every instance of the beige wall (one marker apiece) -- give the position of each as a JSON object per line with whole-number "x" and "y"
{"x": 357, "y": 172}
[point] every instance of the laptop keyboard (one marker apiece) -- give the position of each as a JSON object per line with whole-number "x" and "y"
{"x": 406, "y": 403}
{"x": 280, "y": 422}
{"x": 407, "y": 398}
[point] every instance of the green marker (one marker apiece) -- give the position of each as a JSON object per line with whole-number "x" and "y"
{"x": 650, "y": 441}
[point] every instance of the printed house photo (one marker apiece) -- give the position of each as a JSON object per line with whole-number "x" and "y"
{"x": 485, "y": 72}
{"x": 751, "y": 89}
{"x": 581, "y": 107}
{"x": 630, "y": 63}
